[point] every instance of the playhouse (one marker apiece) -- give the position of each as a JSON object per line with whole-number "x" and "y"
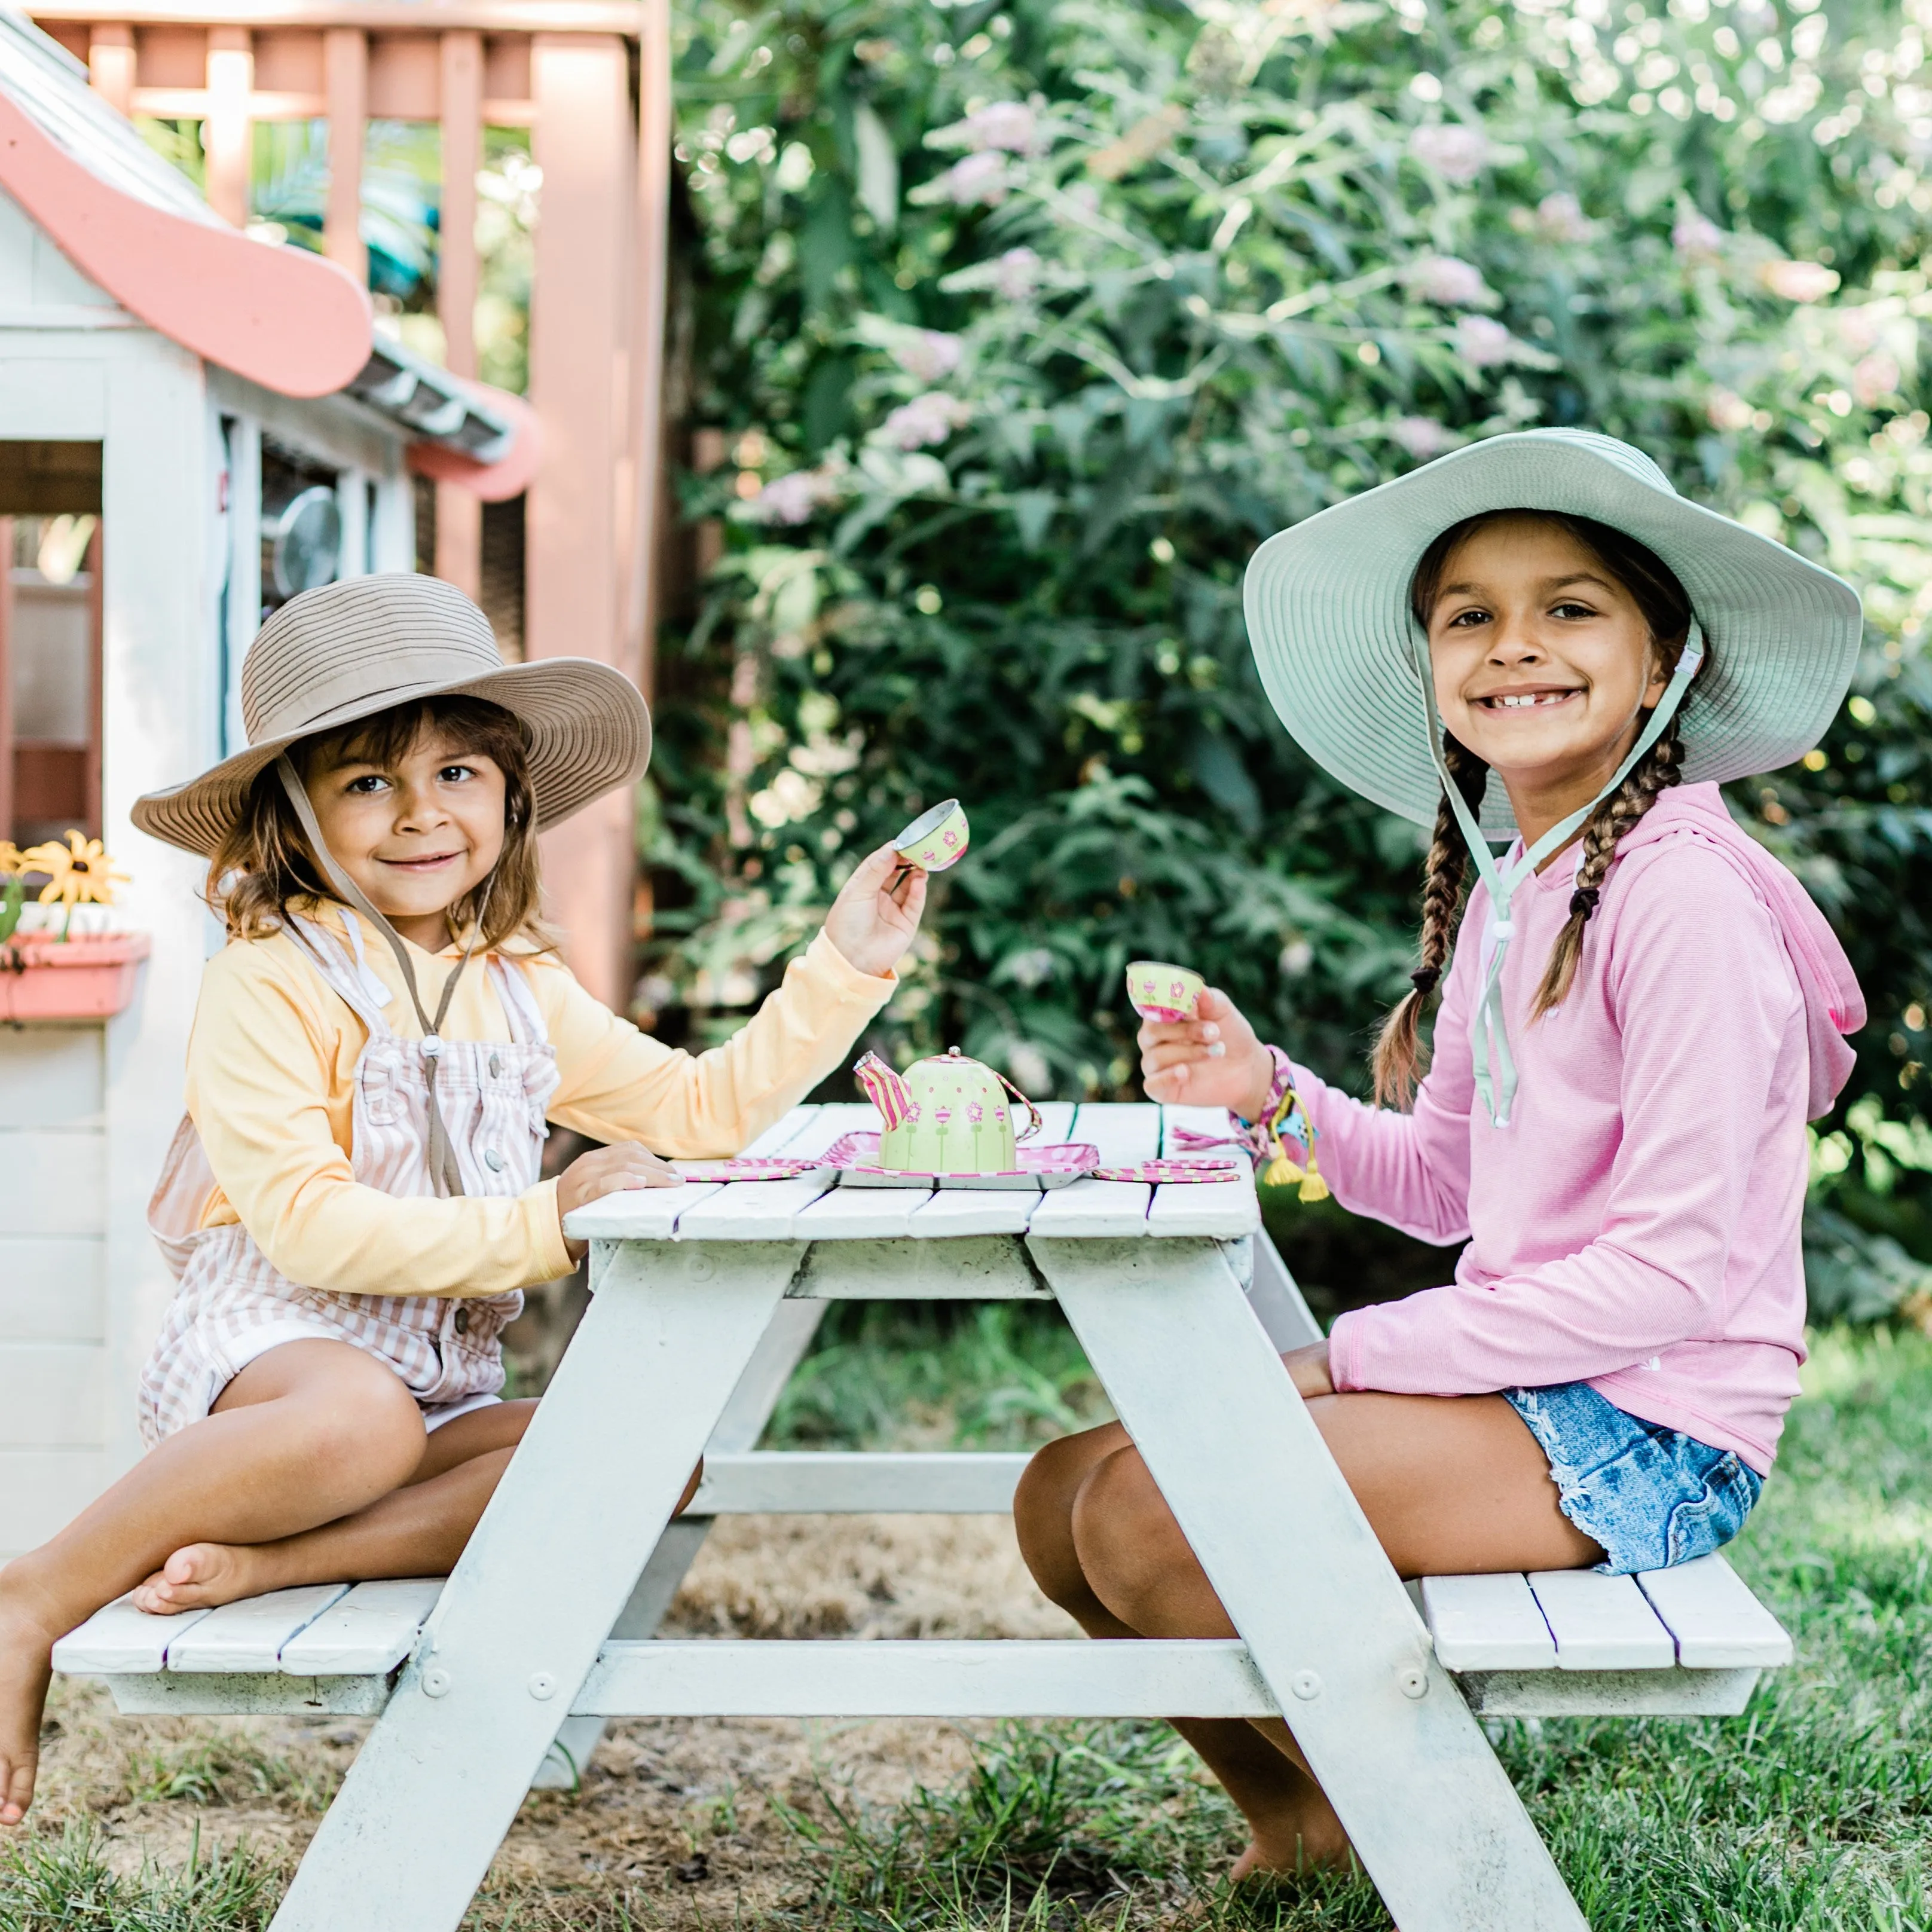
{"x": 194, "y": 425}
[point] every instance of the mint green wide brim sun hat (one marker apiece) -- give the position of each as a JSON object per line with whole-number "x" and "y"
{"x": 1329, "y": 619}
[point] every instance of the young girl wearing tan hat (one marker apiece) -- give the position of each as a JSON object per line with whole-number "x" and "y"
{"x": 352, "y": 1204}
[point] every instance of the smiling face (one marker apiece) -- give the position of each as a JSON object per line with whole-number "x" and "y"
{"x": 1543, "y": 663}
{"x": 417, "y": 829}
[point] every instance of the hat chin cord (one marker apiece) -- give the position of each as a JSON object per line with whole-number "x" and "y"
{"x": 445, "y": 1174}
{"x": 1495, "y": 1066}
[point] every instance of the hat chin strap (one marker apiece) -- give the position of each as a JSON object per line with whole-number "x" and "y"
{"x": 444, "y": 1173}
{"x": 1494, "y": 1065}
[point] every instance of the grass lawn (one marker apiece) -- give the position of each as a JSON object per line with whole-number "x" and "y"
{"x": 1811, "y": 1810}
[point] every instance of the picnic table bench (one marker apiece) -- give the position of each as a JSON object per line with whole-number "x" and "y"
{"x": 705, "y": 1298}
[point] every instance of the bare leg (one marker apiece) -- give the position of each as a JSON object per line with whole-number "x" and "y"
{"x": 310, "y": 1431}
{"x": 418, "y": 1530}
{"x": 1450, "y": 1486}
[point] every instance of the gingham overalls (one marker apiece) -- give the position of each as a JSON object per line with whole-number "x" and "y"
{"x": 232, "y": 1305}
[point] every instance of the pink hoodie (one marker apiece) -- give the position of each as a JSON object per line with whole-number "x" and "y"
{"x": 1636, "y": 1225}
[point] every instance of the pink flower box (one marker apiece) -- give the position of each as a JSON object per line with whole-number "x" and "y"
{"x": 42, "y": 978}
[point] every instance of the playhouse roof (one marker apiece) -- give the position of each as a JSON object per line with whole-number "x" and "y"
{"x": 281, "y": 316}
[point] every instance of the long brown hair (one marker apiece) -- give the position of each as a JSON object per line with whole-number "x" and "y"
{"x": 1399, "y": 1060}
{"x": 265, "y": 860}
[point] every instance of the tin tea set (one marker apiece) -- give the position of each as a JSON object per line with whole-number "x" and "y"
{"x": 952, "y": 1122}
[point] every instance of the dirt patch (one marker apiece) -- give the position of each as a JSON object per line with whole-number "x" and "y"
{"x": 678, "y": 1820}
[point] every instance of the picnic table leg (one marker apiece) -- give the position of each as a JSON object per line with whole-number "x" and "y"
{"x": 782, "y": 1347}
{"x": 1434, "y": 1820}
{"x": 582, "y": 1504}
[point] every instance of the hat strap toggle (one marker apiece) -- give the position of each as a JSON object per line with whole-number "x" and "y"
{"x": 445, "y": 1174}
{"x": 1495, "y": 1066}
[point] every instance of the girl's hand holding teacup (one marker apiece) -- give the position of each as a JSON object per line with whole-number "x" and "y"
{"x": 873, "y": 920}
{"x": 1213, "y": 1060}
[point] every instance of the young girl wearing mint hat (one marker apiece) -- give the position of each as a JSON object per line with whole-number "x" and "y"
{"x": 1534, "y": 639}
{"x": 353, "y": 1203}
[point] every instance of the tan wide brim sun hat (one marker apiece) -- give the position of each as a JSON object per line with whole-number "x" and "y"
{"x": 1329, "y": 619}
{"x": 347, "y": 651}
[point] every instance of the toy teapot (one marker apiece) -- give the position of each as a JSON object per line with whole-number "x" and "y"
{"x": 945, "y": 1115}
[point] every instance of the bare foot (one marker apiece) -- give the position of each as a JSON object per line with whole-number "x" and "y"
{"x": 26, "y": 1647}
{"x": 1313, "y": 1841}
{"x": 201, "y": 1575}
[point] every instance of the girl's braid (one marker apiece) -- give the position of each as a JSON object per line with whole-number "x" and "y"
{"x": 1655, "y": 773}
{"x": 1399, "y": 1057}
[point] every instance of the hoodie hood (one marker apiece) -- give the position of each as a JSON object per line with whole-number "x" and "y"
{"x": 1834, "y": 1005}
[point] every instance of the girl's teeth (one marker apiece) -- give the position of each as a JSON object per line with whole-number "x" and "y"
{"x": 1518, "y": 703}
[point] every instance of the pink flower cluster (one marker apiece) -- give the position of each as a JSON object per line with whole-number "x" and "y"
{"x": 796, "y": 498}
{"x": 1483, "y": 343}
{"x": 926, "y": 420}
{"x": 1457, "y": 152}
{"x": 929, "y": 355}
{"x": 1422, "y": 437}
{"x": 1448, "y": 281}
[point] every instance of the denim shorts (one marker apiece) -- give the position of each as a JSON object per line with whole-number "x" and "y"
{"x": 1652, "y": 1496}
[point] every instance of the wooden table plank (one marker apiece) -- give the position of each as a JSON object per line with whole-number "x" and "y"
{"x": 1223, "y": 1209}
{"x": 365, "y": 1633}
{"x": 249, "y": 1635}
{"x": 1601, "y": 1623}
{"x": 1122, "y": 1131}
{"x": 1091, "y": 1208}
{"x": 120, "y": 1639}
{"x": 1056, "y": 1121}
{"x": 1486, "y": 1623}
{"x": 777, "y": 1137}
{"x": 860, "y": 1213}
{"x": 639, "y": 1213}
{"x": 753, "y": 1210}
{"x": 844, "y": 1482}
{"x": 831, "y": 1123}
{"x": 1063, "y": 1677}
{"x": 955, "y": 1211}
{"x": 1718, "y": 1623}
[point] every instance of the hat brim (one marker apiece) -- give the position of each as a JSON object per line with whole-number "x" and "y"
{"x": 590, "y": 731}
{"x": 1329, "y": 621}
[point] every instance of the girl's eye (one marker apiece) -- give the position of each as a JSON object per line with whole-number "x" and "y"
{"x": 454, "y": 774}
{"x": 1463, "y": 619}
{"x": 1572, "y": 610}
{"x": 369, "y": 782}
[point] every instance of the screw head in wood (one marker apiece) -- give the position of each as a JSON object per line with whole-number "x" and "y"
{"x": 702, "y": 1267}
{"x": 436, "y": 1682}
{"x": 1305, "y": 1684}
{"x": 1412, "y": 1681}
{"x": 543, "y": 1685}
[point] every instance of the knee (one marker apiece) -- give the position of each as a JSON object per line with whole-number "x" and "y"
{"x": 1127, "y": 1542}
{"x": 368, "y": 1424}
{"x": 1043, "y": 1516}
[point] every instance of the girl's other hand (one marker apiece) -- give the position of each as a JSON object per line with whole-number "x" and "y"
{"x": 873, "y": 918}
{"x": 1214, "y": 1059}
{"x": 609, "y": 1170}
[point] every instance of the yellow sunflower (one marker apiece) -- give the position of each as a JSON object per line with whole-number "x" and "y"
{"x": 82, "y": 873}
{"x": 10, "y": 861}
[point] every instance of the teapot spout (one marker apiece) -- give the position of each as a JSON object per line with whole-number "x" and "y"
{"x": 885, "y": 1088}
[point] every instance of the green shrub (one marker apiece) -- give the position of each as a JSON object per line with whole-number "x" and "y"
{"x": 1025, "y": 323}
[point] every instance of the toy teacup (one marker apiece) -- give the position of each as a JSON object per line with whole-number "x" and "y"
{"x": 935, "y": 839}
{"x": 1159, "y": 992}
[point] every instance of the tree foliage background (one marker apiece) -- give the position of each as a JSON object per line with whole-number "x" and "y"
{"x": 1026, "y": 320}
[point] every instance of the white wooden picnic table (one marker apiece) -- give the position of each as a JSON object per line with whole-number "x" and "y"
{"x": 706, "y": 1297}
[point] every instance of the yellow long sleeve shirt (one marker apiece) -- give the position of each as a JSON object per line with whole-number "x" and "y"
{"x": 271, "y": 1068}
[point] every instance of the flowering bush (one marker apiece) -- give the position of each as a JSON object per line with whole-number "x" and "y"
{"x": 1198, "y": 274}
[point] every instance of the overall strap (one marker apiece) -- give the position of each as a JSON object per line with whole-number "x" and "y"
{"x": 519, "y": 1004}
{"x": 445, "y": 1175}
{"x": 1495, "y": 1066}
{"x": 349, "y": 978}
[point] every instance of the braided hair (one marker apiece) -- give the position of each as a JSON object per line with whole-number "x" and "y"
{"x": 1399, "y": 1060}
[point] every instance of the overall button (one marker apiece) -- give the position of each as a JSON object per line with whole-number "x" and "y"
{"x": 461, "y": 1323}
{"x": 495, "y": 1067}
{"x": 492, "y": 1160}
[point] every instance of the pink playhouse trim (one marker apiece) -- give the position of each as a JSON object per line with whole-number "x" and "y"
{"x": 291, "y": 321}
